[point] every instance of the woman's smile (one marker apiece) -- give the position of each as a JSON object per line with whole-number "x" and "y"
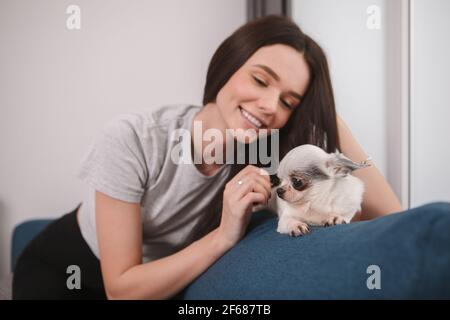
{"x": 251, "y": 119}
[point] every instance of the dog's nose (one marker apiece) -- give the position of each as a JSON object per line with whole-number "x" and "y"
{"x": 280, "y": 192}
{"x": 274, "y": 180}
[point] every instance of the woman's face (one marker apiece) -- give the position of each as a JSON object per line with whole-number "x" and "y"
{"x": 264, "y": 92}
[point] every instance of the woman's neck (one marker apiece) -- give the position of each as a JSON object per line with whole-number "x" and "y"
{"x": 207, "y": 118}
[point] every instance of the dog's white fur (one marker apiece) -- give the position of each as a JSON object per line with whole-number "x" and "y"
{"x": 333, "y": 195}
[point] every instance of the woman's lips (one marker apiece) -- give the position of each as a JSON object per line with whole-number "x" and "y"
{"x": 251, "y": 119}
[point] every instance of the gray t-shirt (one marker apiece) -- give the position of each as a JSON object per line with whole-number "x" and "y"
{"x": 131, "y": 161}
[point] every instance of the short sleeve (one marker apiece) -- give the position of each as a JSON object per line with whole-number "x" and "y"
{"x": 116, "y": 163}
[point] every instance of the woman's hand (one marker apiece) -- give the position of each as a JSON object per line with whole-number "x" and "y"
{"x": 249, "y": 187}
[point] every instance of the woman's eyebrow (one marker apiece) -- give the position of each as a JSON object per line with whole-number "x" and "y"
{"x": 277, "y": 78}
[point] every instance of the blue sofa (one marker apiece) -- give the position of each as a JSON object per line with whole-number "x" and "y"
{"x": 401, "y": 256}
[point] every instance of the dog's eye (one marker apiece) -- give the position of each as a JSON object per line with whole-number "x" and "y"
{"x": 297, "y": 183}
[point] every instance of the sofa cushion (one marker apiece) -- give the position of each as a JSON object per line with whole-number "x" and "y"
{"x": 406, "y": 255}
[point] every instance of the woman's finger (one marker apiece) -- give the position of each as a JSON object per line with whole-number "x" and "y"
{"x": 251, "y": 185}
{"x": 263, "y": 180}
{"x": 249, "y": 169}
{"x": 253, "y": 198}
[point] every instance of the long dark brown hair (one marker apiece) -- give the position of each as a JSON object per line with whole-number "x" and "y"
{"x": 314, "y": 120}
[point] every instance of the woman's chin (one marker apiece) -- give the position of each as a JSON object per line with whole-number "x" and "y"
{"x": 245, "y": 136}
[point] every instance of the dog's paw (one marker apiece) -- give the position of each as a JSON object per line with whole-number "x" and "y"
{"x": 333, "y": 220}
{"x": 294, "y": 228}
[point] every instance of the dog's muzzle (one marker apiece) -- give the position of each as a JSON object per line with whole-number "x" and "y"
{"x": 274, "y": 180}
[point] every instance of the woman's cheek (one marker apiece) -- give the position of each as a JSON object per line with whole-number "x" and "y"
{"x": 285, "y": 118}
{"x": 223, "y": 96}
{"x": 244, "y": 90}
{"x": 281, "y": 119}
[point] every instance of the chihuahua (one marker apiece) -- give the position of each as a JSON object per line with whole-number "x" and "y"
{"x": 315, "y": 188}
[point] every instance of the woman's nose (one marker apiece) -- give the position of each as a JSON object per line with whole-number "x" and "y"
{"x": 269, "y": 104}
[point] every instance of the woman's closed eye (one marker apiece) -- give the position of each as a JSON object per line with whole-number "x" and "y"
{"x": 265, "y": 85}
{"x": 260, "y": 82}
{"x": 287, "y": 105}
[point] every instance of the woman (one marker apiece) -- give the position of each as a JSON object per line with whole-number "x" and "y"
{"x": 148, "y": 226}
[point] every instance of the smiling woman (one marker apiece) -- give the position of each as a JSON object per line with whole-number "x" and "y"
{"x": 279, "y": 76}
{"x": 147, "y": 226}
{"x": 257, "y": 92}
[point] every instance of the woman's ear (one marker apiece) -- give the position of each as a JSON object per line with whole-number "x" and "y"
{"x": 342, "y": 166}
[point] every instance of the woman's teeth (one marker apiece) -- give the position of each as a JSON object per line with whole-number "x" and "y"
{"x": 251, "y": 118}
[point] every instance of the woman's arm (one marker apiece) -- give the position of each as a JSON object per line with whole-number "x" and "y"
{"x": 379, "y": 198}
{"x": 119, "y": 232}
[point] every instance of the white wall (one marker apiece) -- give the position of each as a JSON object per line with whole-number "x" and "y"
{"x": 59, "y": 87}
{"x": 430, "y": 101}
{"x": 365, "y": 70}
{"x": 356, "y": 58}
{"x": 392, "y": 85}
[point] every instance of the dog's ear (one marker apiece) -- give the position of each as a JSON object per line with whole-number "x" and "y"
{"x": 342, "y": 166}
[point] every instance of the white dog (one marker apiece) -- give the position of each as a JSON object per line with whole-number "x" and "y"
{"x": 315, "y": 188}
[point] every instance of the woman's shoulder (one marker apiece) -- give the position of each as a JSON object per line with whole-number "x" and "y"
{"x": 175, "y": 112}
{"x": 153, "y": 118}
{"x": 135, "y": 141}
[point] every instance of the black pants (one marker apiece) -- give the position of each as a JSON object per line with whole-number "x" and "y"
{"x": 42, "y": 270}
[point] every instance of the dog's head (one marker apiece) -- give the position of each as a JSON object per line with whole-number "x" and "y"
{"x": 307, "y": 169}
